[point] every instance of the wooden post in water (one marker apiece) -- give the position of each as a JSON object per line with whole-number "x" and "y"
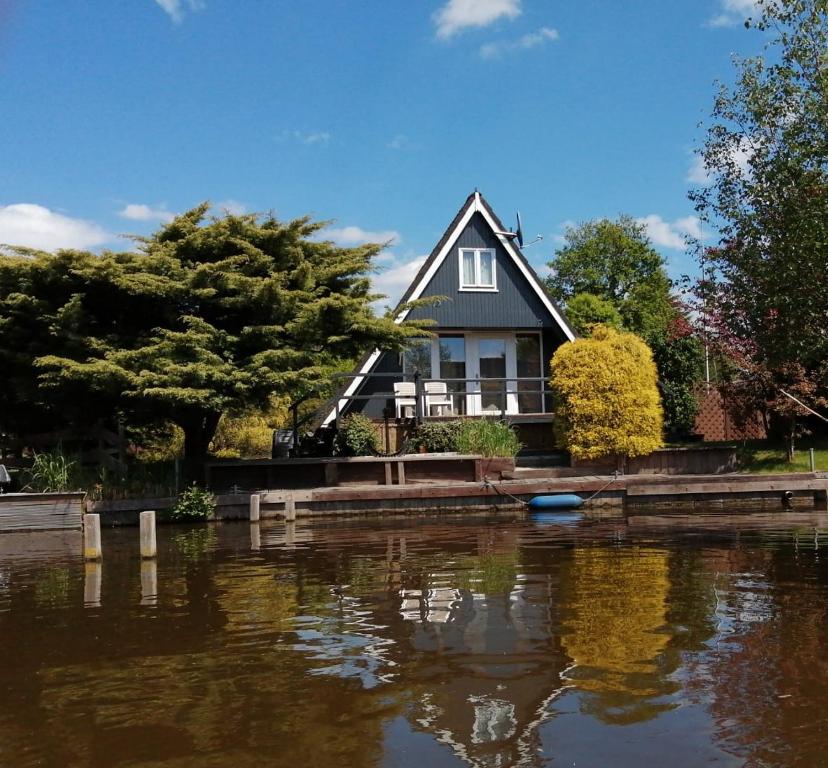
{"x": 92, "y": 537}
{"x": 147, "y": 533}
{"x": 255, "y": 507}
{"x": 149, "y": 582}
{"x": 290, "y": 508}
{"x": 255, "y": 537}
{"x": 92, "y": 584}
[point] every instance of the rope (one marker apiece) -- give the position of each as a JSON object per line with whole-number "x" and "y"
{"x": 489, "y": 484}
{"x": 601, "y": 490}
{"x": 801, "y": 404}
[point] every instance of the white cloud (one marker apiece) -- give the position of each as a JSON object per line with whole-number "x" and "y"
{"x": 141, "y": 212}
{"x": 305, "y": 137}
{"x": 697, "y": 173}
{"x": 734, "y": 12}
{"x": 394, "y": 279}
{"x": 529, "y": 40}
{"x": 666, "y": 234}
{"x": 348, "y": 236}
{"x": 35, "y": 226}
{"x": 457, "y": 15}
{"x": 175, "y": 8}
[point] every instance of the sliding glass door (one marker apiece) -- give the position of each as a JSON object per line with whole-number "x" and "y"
{"x": 478, "y": 369}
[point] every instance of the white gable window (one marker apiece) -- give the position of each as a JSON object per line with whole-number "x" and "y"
{"x": 477, "y": 269}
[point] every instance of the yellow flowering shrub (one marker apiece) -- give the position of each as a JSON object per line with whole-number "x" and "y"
{"x": 606, "y": 393}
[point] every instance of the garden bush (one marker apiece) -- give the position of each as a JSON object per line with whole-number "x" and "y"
{"x": 193, "y": 504}
{"x": 488, "y": 438}
{"x": 437, "y": 436}
{"x": 357, "y": 436}
{"x": 242, "y": 437}
{"x": 606, "y": 396}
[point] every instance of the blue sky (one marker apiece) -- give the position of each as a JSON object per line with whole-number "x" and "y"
{"x": 379, "y": 115}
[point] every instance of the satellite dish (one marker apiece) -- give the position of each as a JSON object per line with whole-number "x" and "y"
{"x": 518, "y": 234}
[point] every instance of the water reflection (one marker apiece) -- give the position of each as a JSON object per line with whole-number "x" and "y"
{"x": 483, "y": 643}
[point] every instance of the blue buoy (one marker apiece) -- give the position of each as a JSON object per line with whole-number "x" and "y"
{"x": 556, "y": 518}
{"x": 558, "y": 501}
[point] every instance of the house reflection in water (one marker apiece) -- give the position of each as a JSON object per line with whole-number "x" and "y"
{"x": 489, "y": 658}
{"x": 487, "y": 640}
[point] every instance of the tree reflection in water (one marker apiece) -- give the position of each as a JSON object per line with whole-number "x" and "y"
{"x": 468, "y": 643}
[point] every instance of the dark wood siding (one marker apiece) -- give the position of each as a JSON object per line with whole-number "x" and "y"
{"x": 514, "y": 305}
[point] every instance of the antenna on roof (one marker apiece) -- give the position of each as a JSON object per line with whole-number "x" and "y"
{"x": 518, "y": 234}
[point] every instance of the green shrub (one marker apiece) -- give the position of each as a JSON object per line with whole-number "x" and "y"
{"x": 606, "y": 396}
{"x": 488, "y": 438}
{"x": 193, "y": 504}
{"x": 242, "y": 437}
{"x": 357, "y": 436}
{"x": 51, "y": 472}
{"x": 437, "y": 436}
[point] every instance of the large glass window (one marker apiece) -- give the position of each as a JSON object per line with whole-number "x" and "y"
{"x": 417, "y": 357}
{"x": 477, "y": 269}
{"x": 529, "y": 366}
{"x": 453, "y": 366}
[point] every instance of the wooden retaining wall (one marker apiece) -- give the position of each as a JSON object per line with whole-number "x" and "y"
{"x": 630, "y": 495}
{"x": 701, "y": 460}
{"x": 41, "y": 511}
{"x": 231, "y": 506}
{"x": 626, "y": 495}
{"x": 411, "y": 468}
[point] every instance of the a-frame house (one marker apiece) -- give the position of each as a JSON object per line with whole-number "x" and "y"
{"x": 494, "y": 334}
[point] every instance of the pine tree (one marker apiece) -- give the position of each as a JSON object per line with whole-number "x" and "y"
{"x": 209, "y": 314}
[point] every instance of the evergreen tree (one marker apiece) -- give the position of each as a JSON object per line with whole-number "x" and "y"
{"x": 606, "y": 396}
{"x": 209, "y": 314}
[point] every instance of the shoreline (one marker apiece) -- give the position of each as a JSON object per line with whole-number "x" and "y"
{"x": 606, "y": 496}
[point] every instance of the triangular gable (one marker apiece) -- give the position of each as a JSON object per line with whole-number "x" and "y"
{"x": 475, "y": 203}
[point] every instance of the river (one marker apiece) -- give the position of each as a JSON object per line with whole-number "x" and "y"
{"x": 434, "y": 642}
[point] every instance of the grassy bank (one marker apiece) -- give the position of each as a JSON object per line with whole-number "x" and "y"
{"x": 761, "y": 457}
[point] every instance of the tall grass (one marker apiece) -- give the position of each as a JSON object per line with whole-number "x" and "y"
{"x": 51, "y": 472}
{"x": 488, "y": 438}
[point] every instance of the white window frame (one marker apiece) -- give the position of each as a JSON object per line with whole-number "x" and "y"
{"x": 477, "y": 285}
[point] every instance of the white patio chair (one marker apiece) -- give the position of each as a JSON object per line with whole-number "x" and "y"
{"x": 437, "y": 396}
{"x": 405, "y": 397}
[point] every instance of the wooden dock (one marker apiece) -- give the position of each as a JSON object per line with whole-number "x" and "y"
{"x": 41, "y": 511}
{"x": 606, "y": 495}
{"x": 628, "y": 496}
